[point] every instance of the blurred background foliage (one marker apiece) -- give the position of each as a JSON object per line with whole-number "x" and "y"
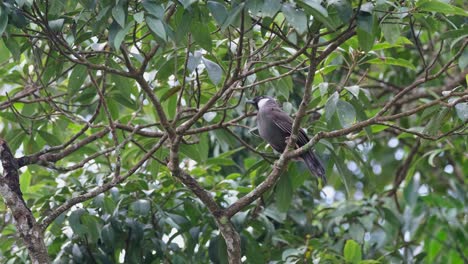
{"x": 393, "y": 196}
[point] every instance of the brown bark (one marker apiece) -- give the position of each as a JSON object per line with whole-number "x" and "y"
{"x": 26, "y": 225}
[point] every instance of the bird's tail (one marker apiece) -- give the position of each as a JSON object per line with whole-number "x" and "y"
{"x": 315, "y": 165}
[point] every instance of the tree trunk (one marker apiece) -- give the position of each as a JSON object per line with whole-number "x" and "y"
{"x": 26, "y": 225}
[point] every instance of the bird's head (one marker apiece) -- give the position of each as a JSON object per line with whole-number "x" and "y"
{"x": 261, "y": 101}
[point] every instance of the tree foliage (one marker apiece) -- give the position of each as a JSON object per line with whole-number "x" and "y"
{"x": 124, "y": 124}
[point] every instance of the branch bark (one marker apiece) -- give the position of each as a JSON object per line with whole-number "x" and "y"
{"x": 25, "y": 222}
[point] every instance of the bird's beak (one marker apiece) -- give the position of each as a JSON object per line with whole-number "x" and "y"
{"x": 250, "y": 102}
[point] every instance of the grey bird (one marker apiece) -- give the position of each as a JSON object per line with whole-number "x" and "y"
{"x": 275, "y": 126}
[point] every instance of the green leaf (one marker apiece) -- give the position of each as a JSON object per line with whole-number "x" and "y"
{"x": 203, "y": 146}
{"x": 284, "y": 86}
{"x": 153, "y": 8}
{"x": 232, "y": 16}
{"x": 77, "y": 77}
{"x": 117, "y": 34}
{"x": 157, "y": 27}
{"x": 217, "y": 250}
{"x": 118, "y": 13}
{"x": 214, "y": 71}
{"x": 51, "y": 139}
{"x": 365, "y": 32}
{"x": 218, "y": 11}
{"x": 440, "y": 7}
{"x": 410, "y": 192}
{"x": 125, "y": 101}
{"x": 13, "y": 47}
{"x": 456, "y": 33}
{"x": 365, "y": 22}
{"x": 318, "y": 12}
{"x": 271, "y": 7}
{"x": 188, "y": 3}
{"x": 462, "y": 111}
{"x": 392, "y": 61}
{"x": 108, "y": 235}
{"x": 366, "y": 40}
{"x": 75, "y": 222}
{"x": 284, "y": 193}
{"x": 92, "y": 225}
{"x": 463, "y": 60}
{"x": 56, "y": 25}
{"x": 25, "y": 181}
{"x": 3, "y": 19}
{"x": 330, "y": 106}
{"x": 391, "y": 32}
{"x": 4, "y": 52}
{"x": 344, "y": 8}
{"x": 141, "y": 207}
{"x": 201, "y": 35}
{"x": 295, "y": 17}
{"x": 346, "y": 113}
{"x": 352, "y": 252}
{"x": 315, "y": 5}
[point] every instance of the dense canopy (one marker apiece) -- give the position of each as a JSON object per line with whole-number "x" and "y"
{"x": 125, "y": 137}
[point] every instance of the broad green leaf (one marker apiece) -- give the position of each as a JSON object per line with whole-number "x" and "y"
{"x": 344, "y": 8}
{"x": 141, "y": 207}
{"x": 153, "y": 8}
{"x": 462, "y": 111}
{"x": 284, "y": 193}
{"x": 217, "y": 250}
{"x": 318, "y": 12}
{"x": 463, "y": 60}
{"x": 233, "y": 14}
{"x": 354, "y": 90}
{"x": 157, "y": 27}
{"x": 410, "y": 191}
{"x": 75, "y": 222}
{"x": 92, "y": 225}
{"x": 391, "y": 31}
{"x": 13, "y": 47}
{"x": 25, "y": 181}
{"x": 254, "y": 7}
{"x": 77, "y": 78}
{"x": 440, "y": 7}
{"x": 201, "y": 35}
{"x": 139, "y": 17}
{"x": 330, "y": 106}
{"x": 218, "y": 11}
{"x": 456, "y": 33}
{"x": 366, "y": 40}
{"x": 392, "y": 61}
{"x": 193, "y": 61}
{"x": 365, "y": 22}
{"x": 4, "y": 52}
{"x": 117, "y": 34}
{"x": 118, "y": 13}
{"x": 188, "y": 3}
{"x": 56, "y": 25}
{"x": 271, "y": 7}
{"x": 108, "y": 235}
{"x": 346, "y": 113}
{"x": 214, "y": 71}
{"x": 3, "y": 19}
{"x": 295, "y": 17}
{"x": 352, "y": 252}
{"x": 365, "y": 32}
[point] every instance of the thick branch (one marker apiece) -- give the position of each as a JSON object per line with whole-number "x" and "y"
{"x": 26, "y": 225}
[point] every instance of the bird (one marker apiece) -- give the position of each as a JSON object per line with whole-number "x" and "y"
{"x": 274, "y": 126}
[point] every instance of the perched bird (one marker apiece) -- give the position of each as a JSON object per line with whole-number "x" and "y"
{"x": 275, "y": 127}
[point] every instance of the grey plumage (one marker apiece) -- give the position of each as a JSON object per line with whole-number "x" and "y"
{"x": 275, "y": 127}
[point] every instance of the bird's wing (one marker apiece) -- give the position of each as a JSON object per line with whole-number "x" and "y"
{"x": 284, "y": 122}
